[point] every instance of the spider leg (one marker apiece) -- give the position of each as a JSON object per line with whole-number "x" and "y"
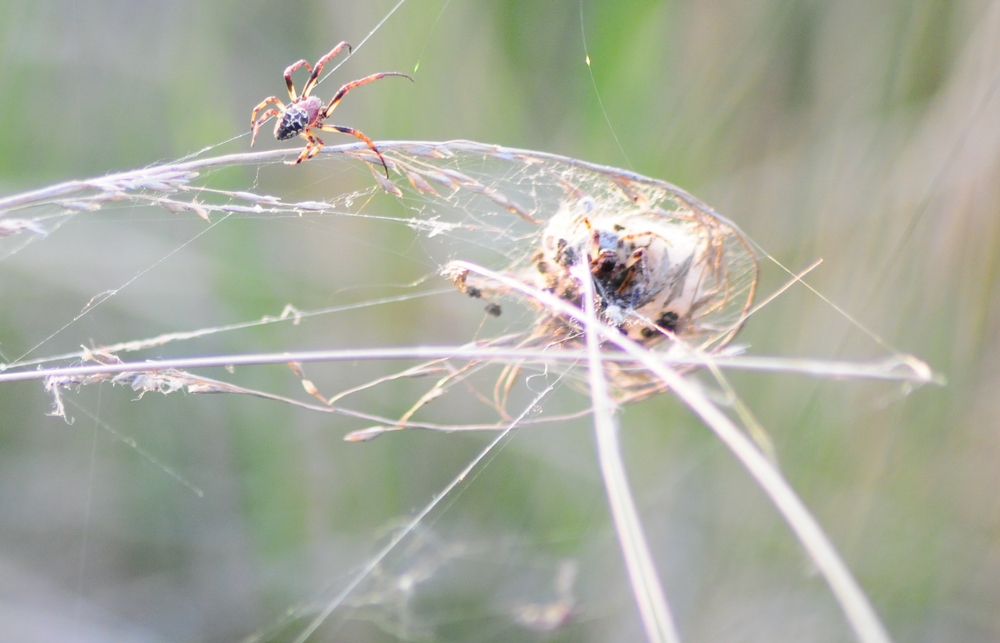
{"x": 356, "y": 134}
{"x": 256, "y": 126}
{"x": 313, "y": 145}
{"x": 632, "y": 265}
{"x": 357, "y": 83}
{"x": 314, "y": 77}
{"x": 255, "y": 122}
{"x": 288, "y": 78}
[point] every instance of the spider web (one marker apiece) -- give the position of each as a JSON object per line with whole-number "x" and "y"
{"x": 446, "y": 204}
{"x": 462, "y": 200}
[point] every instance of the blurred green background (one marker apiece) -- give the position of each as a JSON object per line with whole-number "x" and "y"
{"x": 865, "y": 134}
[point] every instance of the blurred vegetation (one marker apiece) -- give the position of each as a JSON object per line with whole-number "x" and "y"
{"x": 865, "y": 134}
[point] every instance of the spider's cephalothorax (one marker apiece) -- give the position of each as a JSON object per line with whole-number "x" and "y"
{"x": 306, "y": 113}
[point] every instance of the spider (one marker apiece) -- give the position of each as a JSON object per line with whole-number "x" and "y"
{"x": 306, "y": 113}
{"x": 646, "y": 275}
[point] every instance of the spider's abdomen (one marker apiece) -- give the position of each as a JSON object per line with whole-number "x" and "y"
{"x": 298, "y": 116}
{"x": 292, "y": 123}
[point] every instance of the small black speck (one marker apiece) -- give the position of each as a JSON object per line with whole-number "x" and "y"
{"x": 493, "y": 309}
{"x": 566, "y": 256}
{"x": 542, "y": 267}
{"x": 619, "y": 227}
{"x": 648, "y": 332}
{"x": 668, "y": 321}
{"x": 474, "y": 292}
